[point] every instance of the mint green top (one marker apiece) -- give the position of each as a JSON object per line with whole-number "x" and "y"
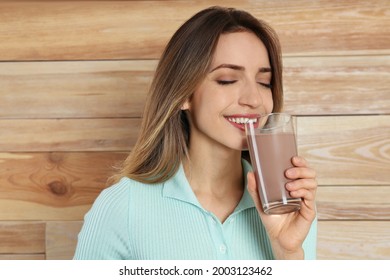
{"x": 165, "y": 221}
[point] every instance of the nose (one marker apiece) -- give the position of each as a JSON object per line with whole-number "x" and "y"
{"x": 251, "y": 96}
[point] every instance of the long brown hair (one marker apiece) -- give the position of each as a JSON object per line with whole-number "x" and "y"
{"x": 164, "y": 133}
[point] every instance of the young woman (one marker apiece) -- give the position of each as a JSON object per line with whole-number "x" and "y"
{"x": 186, "y": 190}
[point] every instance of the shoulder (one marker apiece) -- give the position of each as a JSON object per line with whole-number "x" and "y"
{"x": 110, "y": 210}
{"x": 120, "y": 193}
{"x": 104, "y": 234}
{"x": 124, "y": 185}
{"x": 114, "y": 197}
{"x": 114, "y": 193}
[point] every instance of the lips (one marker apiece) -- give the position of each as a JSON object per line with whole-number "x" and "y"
{"x": 239, "y": 121}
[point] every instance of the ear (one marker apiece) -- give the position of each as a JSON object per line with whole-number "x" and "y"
{"x": 186, "y": 105}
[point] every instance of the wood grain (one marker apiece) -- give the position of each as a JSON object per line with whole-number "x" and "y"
{"x": 353, "y": 203}
{"x": 74, "y": 89}
{"x": 73, "y": 81}
{"x": 55, "y": 135}
{"x": 52, "y": 186}
{"x": 62, "y": 186}
{"x": 22, "y": 257}
{"x": 56, "y": 179}
{"x": 30, "y": 211}
{"x": 61, "y": 239}
{"x": 349, "y": 150}
{"x": 353, "y": 240}
{"x": 112, "y": 89}
{"x": 140, "y": 29}
{"x": 22, "y": 237}
{"x": 348, "y": 85}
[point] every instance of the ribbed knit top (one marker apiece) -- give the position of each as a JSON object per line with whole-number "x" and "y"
{"x": 132, "y": 220}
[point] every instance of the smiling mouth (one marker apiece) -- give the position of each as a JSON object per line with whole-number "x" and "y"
{"x": 239, "y": 122}
{"x": 242, "y": 120}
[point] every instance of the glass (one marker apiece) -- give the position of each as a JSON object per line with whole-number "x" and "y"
{"x": 272, "y": 144}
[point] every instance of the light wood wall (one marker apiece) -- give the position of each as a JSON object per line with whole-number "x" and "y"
{"x": 73, "y": 78}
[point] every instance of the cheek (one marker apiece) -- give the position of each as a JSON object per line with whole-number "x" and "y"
{"x": 268, "y": 103}
{"x": 201, "y": 109}
{"x": 207, "y": 103}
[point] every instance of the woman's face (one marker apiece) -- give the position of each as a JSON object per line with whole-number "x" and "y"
{"x": 236, "y": 89}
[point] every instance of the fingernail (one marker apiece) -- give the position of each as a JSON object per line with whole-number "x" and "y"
{"x": 290, "y": 172}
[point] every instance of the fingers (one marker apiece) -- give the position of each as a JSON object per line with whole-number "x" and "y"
{"x": 301, "y": 170}
{"x": 299, "y": 161}
{"x": 303, "y": 182}
{"x": 308, "y": 184}
{"x": 305, "y": 189}
{"x": 303, "y": 185}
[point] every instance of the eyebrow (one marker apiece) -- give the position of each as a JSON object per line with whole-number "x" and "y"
{"x": 240, "y": 68}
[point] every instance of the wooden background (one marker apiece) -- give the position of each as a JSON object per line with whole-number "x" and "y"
{"x": 73, "y": 78}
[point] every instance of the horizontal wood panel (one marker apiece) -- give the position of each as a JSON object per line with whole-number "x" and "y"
{"x": 52, "y": 186}
{"x": 123, "y": 30}
{"x": 61, "y": 239}
{"x": 354, "y": 151}
{"x": 333, "y": 203}
{"x": 349, "y": 150}
{"x": 97, "y": 89}
{"x": 353, "y": 240}
{"x": 353, "y": 203}
{"x": 22, "y": 237}
{"x": 68, "y": 135}
{"x": 62, "y": 186}
{"x": 336, "y": 240}
{"x": 74, "y": 89}
{"x": 346, "y": 85}
{"x": 29, "y": 211}
{"x": 22, "y": 256}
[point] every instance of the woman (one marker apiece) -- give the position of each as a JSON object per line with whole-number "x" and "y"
{"x": 186, "y": 191}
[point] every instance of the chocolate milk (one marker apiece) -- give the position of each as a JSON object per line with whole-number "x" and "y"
{"x": 275, "y": 151}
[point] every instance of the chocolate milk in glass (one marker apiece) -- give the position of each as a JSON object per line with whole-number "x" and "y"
{"x": 271, "y": 147}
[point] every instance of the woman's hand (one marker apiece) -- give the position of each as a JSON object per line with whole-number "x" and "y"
{"x": 288, "y": 231}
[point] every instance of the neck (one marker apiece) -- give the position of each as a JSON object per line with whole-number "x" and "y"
{"x": 213, "y": 173}
{"x": 216, "y": 178}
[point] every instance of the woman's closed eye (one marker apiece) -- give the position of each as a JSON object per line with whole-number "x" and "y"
{"x": 266, "y": 85}
{"x": 226, "y": 82}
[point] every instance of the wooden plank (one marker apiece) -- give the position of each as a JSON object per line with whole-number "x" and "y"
{"x": 337, "y": 85}
{"x": 336, "y": 239}
{"x": 52, "y": 186}
{"x": 111, "y": 89}
{"x": 140, "y": 29}
{"x": 62, "y": 186}
{"x": 77, "y": 89}
{"x": 353, "y": 240}
{"x": 61, "y": 239}
{"x": 348, "y": 150}
{"x": 353, "y": 203}
{"x": 22, "y": 257}
{"x": 22, "y": 237}
{"x": 30, "y": 211}
{"x": 55, "y": 135}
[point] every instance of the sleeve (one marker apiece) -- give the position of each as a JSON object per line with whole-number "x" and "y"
{"x": 310, "y": 243}
{"x": 104, "y": 234}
